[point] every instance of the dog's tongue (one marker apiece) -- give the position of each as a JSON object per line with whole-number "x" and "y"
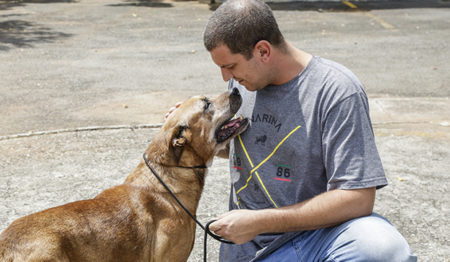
{"x": 228, "y": 129}
{"x": 235, "y": 122}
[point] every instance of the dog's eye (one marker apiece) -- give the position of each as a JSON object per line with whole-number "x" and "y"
{"x": 207, "y": 104}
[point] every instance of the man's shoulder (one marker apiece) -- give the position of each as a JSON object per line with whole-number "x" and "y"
{"x": 334, "y": 71}
{"x": 336, "y": 80}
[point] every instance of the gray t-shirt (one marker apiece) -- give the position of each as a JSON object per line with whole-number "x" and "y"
{"x": 308, "y": 136}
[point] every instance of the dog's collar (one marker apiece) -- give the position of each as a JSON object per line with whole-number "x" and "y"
{"x": 188, "y": 167}
{"x": 199, "y": 175}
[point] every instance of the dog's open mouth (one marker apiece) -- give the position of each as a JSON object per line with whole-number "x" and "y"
{"x": 231, "y": 128}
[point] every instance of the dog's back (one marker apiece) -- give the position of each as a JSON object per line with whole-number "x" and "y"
{"x": 16, "y": 243}
{"x": 36, "y": 237}
{"x": 5, "y": 251}
{"x": 74, "y": 232}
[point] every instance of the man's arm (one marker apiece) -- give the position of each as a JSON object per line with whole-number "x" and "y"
{"x": 327, "y": 209}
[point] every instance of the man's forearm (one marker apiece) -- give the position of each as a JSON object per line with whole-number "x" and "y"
{"x": 328, "y": 209}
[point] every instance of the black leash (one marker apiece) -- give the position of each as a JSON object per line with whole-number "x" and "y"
{"x": 205, "y": 228}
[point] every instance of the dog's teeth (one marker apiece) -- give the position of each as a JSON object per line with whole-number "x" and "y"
{"x": 241, "y": 117}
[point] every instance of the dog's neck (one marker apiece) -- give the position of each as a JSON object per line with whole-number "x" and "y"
{"x": 185, "y": 178}
{"x": 170, "y": 172}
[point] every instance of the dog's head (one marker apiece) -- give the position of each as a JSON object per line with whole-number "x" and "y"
{"x": 201, "y": 127}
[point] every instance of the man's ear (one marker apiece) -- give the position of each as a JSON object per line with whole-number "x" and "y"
{"x": 181, "y": 135}
{"x": 262, "y": 50}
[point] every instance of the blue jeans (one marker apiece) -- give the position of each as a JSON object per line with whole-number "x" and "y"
{"x": 370, "y": 238}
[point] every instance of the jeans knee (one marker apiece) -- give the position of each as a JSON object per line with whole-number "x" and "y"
{"x": 384, "y": 248}
{"x": 375, "y": 239}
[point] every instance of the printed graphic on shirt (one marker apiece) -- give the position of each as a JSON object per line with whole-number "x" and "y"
{"x": 261, "y": 140}
{"x": 237, "y": 162}
{"x": 255, "y": 183}
{"x": 283, "y": 173}
{"x": 267, "y": 118}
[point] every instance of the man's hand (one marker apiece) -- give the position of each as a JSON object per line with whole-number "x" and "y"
{"x": 238, "y": 226}
{"x": 173, "y": 108}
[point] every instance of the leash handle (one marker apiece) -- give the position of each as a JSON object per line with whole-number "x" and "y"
{"x": 216, "y": 237}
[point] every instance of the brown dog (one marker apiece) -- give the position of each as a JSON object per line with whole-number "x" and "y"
{"x": 138, "y": 220}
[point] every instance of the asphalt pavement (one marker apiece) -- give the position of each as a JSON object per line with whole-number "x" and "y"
{"x": 84, "y": 86}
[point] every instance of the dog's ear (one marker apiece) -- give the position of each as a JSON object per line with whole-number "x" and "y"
{"x": 181, "y": 135}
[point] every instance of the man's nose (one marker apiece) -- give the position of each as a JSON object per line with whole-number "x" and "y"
{"x": 226, "y": 74}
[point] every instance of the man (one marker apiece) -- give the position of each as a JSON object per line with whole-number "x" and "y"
{"x": 304, "y": 174}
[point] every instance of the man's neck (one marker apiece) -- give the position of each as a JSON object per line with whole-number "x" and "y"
{"x": 290, "y": 63}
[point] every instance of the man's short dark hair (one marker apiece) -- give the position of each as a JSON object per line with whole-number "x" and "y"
{"x": 240, "y": 24}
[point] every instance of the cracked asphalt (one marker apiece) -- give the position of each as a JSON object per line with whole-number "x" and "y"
{"x": 118, "y": 65}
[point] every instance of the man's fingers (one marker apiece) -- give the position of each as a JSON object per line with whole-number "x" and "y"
{"x": 173, "y": 108}
{"x": 215, "y": 226}
{"x": 168, "y": 113}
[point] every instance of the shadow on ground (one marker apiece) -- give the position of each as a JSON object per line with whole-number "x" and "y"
{"x": 7, "y": 4}
{"x": 144, "y": 3}
{"x": 21, "y": 33}
{"x": 331, "y": 6}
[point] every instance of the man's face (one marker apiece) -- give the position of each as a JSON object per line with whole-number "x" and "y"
{"x": 247, "y": 72}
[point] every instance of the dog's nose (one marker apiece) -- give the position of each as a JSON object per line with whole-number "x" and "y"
{"x": 235, "y": 92}
{"x": 235, "y": 100}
